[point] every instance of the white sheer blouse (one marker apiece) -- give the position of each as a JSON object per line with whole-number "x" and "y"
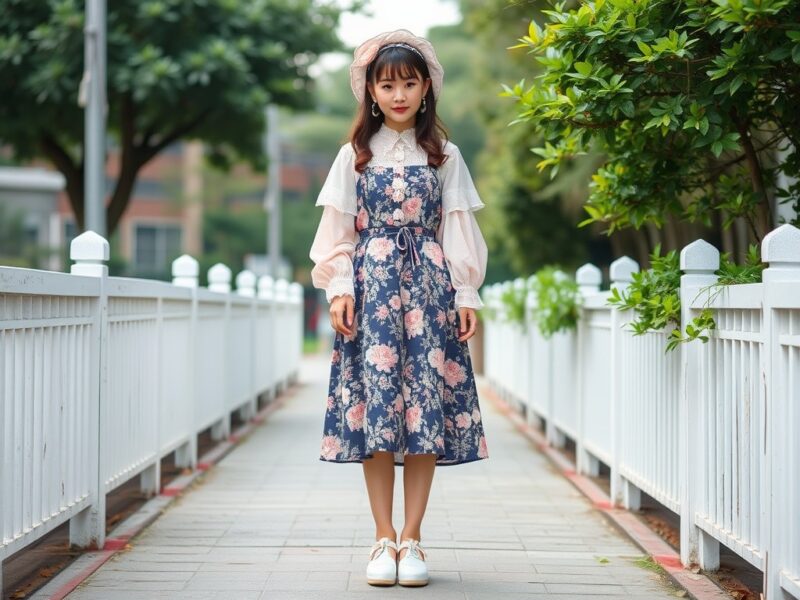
{"x": 462, "y": 243}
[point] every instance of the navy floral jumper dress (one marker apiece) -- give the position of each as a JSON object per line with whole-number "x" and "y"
{"x": 403, "y": 382}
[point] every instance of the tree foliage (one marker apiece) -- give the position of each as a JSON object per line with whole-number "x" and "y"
{"x": 527, "y": 227}
{"x": 202, "y": 69}
{"x": 692, "y": 102}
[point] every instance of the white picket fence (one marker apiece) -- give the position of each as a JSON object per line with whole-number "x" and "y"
{"x": 101, "y": 377}
{"x": 711, "y": 431}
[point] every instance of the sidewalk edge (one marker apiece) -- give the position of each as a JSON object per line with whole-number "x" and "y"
{"x": 118, "y": 538}
{"x": 698, "y": 586}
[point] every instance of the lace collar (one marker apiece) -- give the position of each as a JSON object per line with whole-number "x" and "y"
{"x": 390, "y": 137}
{"x": 396, "y": 147}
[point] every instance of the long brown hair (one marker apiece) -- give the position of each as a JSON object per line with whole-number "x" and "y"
{"x": 429, "y": 129}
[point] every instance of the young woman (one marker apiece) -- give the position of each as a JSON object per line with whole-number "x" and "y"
{"x": 400, "y": 256}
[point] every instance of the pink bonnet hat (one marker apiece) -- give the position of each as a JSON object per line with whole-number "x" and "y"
{"x": 367, "y": 52}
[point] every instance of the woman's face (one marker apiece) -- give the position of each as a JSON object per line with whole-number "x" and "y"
{"x": 399, "y": 99}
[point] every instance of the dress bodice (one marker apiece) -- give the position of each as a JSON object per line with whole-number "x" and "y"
{"x": 398, "y": 196}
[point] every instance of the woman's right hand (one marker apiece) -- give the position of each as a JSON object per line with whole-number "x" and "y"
{"x": 342, "y": 313}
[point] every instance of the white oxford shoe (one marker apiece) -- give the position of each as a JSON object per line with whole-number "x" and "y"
{"x": 382, "y": 566}
{"x": 412, "y": 570}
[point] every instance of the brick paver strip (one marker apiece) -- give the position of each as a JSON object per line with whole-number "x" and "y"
{"x": 271, "y": 521}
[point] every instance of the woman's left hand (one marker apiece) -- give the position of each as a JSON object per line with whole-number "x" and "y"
{"x": 468, "y": 321}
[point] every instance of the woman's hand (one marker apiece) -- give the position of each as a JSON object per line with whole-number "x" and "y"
{"x": 342, "y": 309}
{"x": 468, "y": 321}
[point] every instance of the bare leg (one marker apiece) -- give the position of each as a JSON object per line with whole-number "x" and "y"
{"x": 417, "y": 479}
{"x": 379, "y": 475}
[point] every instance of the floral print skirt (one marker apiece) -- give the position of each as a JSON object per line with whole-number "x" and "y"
{"x": 402, "y": 383}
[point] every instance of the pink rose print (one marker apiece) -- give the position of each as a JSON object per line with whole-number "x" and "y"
{"x": 411, "y": 208}
{"x": 382, "y": 312}
{"x": 398, "y": 403}
{"x": 453, "y": 373}
{"x": 362, "y": 220}
{"x": 355, "y": 416}
{"x": 380, "y": 248}
{"x": 463, "y": 420}
{"x": 441, "y": 318}
{"x": 483, "y": 452}
{"x": 382, "y": 356}
{"x": 436, "y": 360}
{"x": 331, "y": 446}
{"x": 413, "y": 418}
{"x": 433, "y": 251}
{"x": 394, "y": 302}
{"x": 414, "y": 321}
{"x": 476, "y": 416}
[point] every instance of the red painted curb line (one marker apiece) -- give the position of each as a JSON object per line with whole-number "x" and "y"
{"x": 113, "y": 545}
{"x": 698, "y": 586}
{"x": 70, "y": 585}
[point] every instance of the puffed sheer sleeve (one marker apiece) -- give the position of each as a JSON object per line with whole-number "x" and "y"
{"x": 460, "y": 236}
{"x": 332, "y": 253}
{"x": 334, "y": 242}
{"x": 339, "y": 189}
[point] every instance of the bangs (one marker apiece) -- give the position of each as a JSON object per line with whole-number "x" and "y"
{"x": 391, "y": 65}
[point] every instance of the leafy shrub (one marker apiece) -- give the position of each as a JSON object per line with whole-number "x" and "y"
{"x": 557, "y": 301}
{"x": 654, "y": 295}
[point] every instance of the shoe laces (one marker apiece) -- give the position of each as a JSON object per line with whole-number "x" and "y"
{"x": 415, "y": 549}
{"x": 379, "y": 547}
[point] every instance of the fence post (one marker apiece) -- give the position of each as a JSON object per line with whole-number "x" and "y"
{"x": 297, "y": 290}
{"x": 89, "y": 251}
{"x": 265, "y": 292}
{"x": 505, "y": 345}
{"x": 219, "y": 279}
{"x": 529, "y": 323}
{"x": 588, "y": 277}
{"x": 699, "y": 261}
{"x": 781, "y": 250}
{"x": 621, "y": 275}
{"x": 281, "y": 304}
{"x": 246, "y": 287}
{"x": 185, "y": 271}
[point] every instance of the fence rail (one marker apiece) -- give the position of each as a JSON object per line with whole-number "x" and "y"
{"x": 711, "y": 431}
{"x": 101, "y": 377}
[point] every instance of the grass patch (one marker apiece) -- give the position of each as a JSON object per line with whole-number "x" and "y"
{"x": 311, "y": 345}
{"x": 647, "y": 562}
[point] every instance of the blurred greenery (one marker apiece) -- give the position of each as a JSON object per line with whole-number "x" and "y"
{"x": 177, "y": 69}
{"x": 530, "y": 222}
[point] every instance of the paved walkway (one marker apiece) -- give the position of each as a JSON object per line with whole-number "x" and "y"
{"x": 271, "y": 521}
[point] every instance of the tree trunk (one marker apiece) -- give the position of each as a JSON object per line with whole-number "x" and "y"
{"x": 763, "y": 216}
{"x": 73, "y": 174}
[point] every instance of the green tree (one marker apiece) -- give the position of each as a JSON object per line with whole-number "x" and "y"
{"x": 692, "y": 103}
{"x": 177, "y": 69}
{"x": 530, "y": 221}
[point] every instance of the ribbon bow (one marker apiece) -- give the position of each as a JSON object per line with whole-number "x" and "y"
{"x": 404, "y": 240}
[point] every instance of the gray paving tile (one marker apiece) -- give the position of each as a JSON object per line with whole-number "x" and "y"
{"x": 272, "y": 522}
